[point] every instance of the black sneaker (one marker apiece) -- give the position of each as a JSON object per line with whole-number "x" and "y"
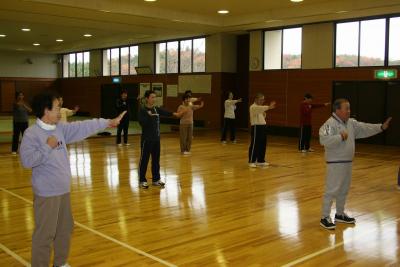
{"x": 327, "y": 223}
{"x": 159, "y": 183}
{"x": 344, "y": 219}
{"x": 144, "y": 185}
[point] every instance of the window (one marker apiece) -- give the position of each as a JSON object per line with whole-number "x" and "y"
{"x": 186, "y": 56}
{"x": 347, "y": 44}
{"x": 86, "y": 64}
{"x": 272, "y": 50}
{"x": 183, "y": 56}
{"x": 199, "y": 55}
{"x": 372, "y": 42}
{"x": 76, "y": 64}
{"x": 79, "y": 64}
{"x": 71, "y": 67}
{"x": 120, "y": 61}
{"x": 106, "y": 62}
{"x": 133, "y": 59}
{"x": 114, "y": 61}
{"x": 160, "y": 57}
{"x": 124, "y": 60}
{"x": 394, "y": 41}
{"x": 282, "y": 49}
{"x": 363, "y": 43}
{"x": 172, "y": 57}
{"x": 291, "y": 55}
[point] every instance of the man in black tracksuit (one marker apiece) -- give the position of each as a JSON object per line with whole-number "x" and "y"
{"x": 149, "y": 120}
{"x": 123, "y": 105}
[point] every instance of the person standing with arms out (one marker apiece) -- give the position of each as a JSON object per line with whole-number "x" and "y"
{"x": 65, "y": 112}
{"x": 338, "y": 136}
{"x": 149, "y": 120}
{"x": 258, "y": 142}
{"x": 186, "y": 123}
{"x": 306, "y": 108}
{"x": 20, "y": 120}
{"x": 123, "y": 105}
{"x": 229, "y": 118}
{"x": 44, "y": 150}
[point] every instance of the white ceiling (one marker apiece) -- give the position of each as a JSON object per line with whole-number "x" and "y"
{"x": 118, "y": 22}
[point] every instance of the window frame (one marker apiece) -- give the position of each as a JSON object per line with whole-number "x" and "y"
{"x": 75, "y": 65}
{"x": 359, "y": 20}
{"x": 282, "y": 29}
{"x": 179, "y": 55}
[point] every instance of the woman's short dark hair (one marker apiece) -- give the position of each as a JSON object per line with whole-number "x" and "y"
{"x": 17, "y": 93}
{"x": 148, "y": 93}
{"x": 308, "y": 96}
{"x": 185, "y": 96}
{"x": 188, "y": 92}
{"x": 338, "y": 103}
{"x": 42, "y": 101}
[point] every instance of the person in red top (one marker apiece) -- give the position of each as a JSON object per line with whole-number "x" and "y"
{"x": 306, "y": 108}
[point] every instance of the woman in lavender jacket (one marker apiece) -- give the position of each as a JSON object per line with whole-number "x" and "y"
{"x": 44, "y": 150}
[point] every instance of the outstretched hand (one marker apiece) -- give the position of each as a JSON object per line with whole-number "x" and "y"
{"x": 272, "y": 105}
{"x": 386, "y": 124}
{"x": 115, "y": 122}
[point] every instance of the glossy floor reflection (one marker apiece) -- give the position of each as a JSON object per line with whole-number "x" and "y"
{"x": 214, "y": 210}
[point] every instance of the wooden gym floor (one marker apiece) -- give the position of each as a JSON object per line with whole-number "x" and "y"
{"x": 214, "y": 210}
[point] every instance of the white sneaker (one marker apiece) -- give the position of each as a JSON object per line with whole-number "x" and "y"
{"x": 223, "y": 142}
{"x": 252, "y": 165}
{"x": 14, "y": 153}
{"x": 234, "y": 142}
{"x": 127, "y": 144}
{"x": 119, "y": 145}
{"x": 311, "y": 150}
{"x": 186, "y": 153}
{"x": 304, "y": 151}
{"x": 262, "y": 164}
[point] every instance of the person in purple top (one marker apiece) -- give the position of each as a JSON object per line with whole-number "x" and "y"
{"x": 44, "y": 150}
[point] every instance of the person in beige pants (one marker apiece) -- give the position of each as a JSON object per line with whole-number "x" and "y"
{"x": 186, "y": 123}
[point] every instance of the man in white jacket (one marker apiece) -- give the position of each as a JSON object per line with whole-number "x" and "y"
{"x": 338, "y": 136}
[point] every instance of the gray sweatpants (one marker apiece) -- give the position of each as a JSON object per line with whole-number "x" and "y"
{"x": 53, "y": 227}
{"x": 338, "y": 180}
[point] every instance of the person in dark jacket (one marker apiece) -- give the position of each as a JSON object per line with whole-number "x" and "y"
{"x": 20, "y": 119}
{"x": 149, "y": 120}
{"x": 123, "y": 105}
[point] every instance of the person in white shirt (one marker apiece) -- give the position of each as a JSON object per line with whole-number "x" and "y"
{"x": 258, "y": 143}
{"x": 229, "y": 118}
{"x": 65, "y": 112}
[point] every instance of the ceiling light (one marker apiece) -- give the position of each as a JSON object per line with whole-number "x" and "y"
{"x": 36, "y": 44}
{"x": 296, "y": 1}
{"x": 87, "y": 35}
{"x": 106, "y": 11}
{"x": 3, "y": 35}
{"x": 223, "y": 11}
{"x": 272, "y": 20}
{"x": 25, "y": 30}
{"x": 341, "y": 11}
{"x": 59, "y": 40}
{"x": 150, "y": 0}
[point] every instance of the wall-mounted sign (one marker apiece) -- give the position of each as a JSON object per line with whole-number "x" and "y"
{"x": 386, "y": 74}
{"x": 116, "y": 79}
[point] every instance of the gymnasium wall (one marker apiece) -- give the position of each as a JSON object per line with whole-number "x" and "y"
{"x": 29, "y": 86}
{"x": 86, "y": 92}
{"x": 24, "y": 64}
{"x": 288, "y": 87}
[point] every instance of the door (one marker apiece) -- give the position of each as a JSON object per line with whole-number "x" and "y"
{"x": 393, "y": 110}
{"x": 111, "y": 92}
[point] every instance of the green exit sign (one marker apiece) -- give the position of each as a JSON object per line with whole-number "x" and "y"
{"x": 386, "y": 74}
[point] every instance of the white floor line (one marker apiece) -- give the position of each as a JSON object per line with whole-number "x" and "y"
{"x": 14, "y": 255}
{"x": 125, "y": 245}
{"x": 322, "y": 251}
